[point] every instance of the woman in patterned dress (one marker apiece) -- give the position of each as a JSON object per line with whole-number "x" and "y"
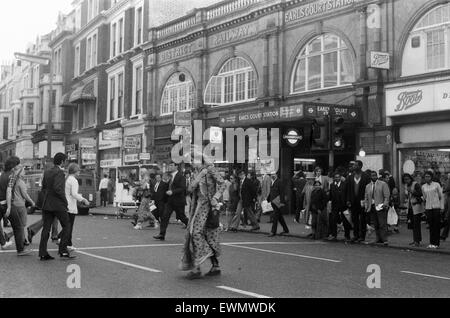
{"x": 202, "y": 240}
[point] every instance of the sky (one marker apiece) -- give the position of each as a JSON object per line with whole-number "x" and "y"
{"x": 21, "y": 21}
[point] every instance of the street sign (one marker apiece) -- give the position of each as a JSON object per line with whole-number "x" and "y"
{"x": 293, "y": 137}
{"x": 380, "y": 60}
{"x": 215, "y": 135}
{"x": 182, "y": 119}
{"x": 145, "y": 156}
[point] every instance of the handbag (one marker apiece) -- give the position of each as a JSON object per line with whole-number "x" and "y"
{"x": 277, "y": 202}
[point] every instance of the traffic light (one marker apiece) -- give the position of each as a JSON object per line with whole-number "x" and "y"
{"x": 338, "y": 134}
{"x": 320, "y": 134}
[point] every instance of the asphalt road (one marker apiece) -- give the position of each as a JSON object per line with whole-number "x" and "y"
{"x": 117, "y": 261}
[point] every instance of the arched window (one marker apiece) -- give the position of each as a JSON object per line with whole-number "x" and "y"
{"x": 324, "y": 62}
{"x": 427, "y": 48}
{"x": 236, "y": 83}
{"x": 179, "y": 94}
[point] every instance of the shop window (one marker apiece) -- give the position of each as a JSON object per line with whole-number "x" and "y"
{"x": 421, "y": 160}
{"x": 179, "y": 94}
{"x": 324, "y": 62}
{"x": 236, "y": 82}
{"x": 427, "y": 48}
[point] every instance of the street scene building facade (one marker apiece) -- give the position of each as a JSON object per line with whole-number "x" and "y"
{"x": 122, "y": 69}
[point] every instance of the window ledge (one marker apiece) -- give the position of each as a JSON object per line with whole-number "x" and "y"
{"x": 233, "y": 103}
{"x": 114, "y": 121}
{"x": 139, "y": 116}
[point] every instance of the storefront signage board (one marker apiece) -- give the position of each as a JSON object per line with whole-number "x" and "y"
{"x": 182, "y": 119}
{"x": 131, "y": 158}
{"x": 132, "y": 142}
{"x": 317, "y": 8}
{"x": 286, "y": 114}
{"x": 380, "y": 60}
{"x": 112, "y": 163}
{"x": 418, "y": 98}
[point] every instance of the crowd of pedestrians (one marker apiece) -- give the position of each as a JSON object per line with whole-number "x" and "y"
{"x": 362, "y": 202}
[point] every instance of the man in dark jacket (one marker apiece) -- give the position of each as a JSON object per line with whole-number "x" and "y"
{"x": 176, "y": 201}
{"x": 55, "y": 206}
{"x": 356, "y": 188}
{"x": 276, "y": 198}
{"x": 247, "y": 194}
{"x": 159, "y": 195}
{"x": 338, "y": 198}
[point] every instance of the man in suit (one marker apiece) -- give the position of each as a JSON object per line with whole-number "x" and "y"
{"x": 159, "y": 195}
{"x": 377, "y": 196}
{"x": 276, "y": 198}
{"x": 55, "y": 206}
{"x": 176, "y": 201}
{"x": 247, "y": 195}
{"x": 338, "y": 198}
{"x": 356, "y": 187}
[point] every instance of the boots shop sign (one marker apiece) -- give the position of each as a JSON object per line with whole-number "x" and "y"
{"x": 417, "y": 99}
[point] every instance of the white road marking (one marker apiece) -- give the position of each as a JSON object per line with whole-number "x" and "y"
{"x": 426, "y": 275}
{"x": 172, "y": 245}
{"x": 120, "y": 262}
{"x": 288, "y": 254}
{"x": 274, "y": 243}
{"x": 243, "y": 292}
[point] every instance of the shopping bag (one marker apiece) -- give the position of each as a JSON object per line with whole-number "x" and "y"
{"x": 348, "y": 216}
{"x": 392, "y": 218}
{"x": 266, "y": 207}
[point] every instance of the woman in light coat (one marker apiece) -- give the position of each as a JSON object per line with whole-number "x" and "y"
{"x": 73, "y": 197}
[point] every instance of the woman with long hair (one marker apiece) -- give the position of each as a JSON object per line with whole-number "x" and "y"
{"x": 73, "y": 197}
{"x": 202, "y": 238}
{"x": 18, "y": 215}
{"x": 414, "y": 200}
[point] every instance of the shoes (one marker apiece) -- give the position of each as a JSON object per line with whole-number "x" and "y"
{"x": 272, "y": 235}
{"x": 71, "y": 248}
{"x": 7, "y": 245}
{"x": 385, "y": 243}
{"x": 412, "y": 244}
{"x": 284, "y": 233}
{"x": 310, "y": 236}
{"x": 138, "y": 227}
{"x": 215, "y": 271}
{"x": 232, "y": 230}
{"x": 332, "y": 238}
{"x": 26, "y": 243}
{"x": 159, "y": 237}
{"x": 24, "y": 253}
{"x": 134, "y": 224}
{"x": 47, "y": 258}
{"x": 433, "y": 247}
{"x": 194, "y": 275}
{"x": 30, "y": 235}
{"x": 67, "y": 256}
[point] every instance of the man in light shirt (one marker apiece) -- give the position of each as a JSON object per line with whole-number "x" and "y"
{"x": 103, "y": 188}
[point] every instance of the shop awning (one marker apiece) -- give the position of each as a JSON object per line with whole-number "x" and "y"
{"x": 65, "y": 100}
{"x": 83, "y": 94}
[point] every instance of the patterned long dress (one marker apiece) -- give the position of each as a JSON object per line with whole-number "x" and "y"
{"x": 204, "y": 241}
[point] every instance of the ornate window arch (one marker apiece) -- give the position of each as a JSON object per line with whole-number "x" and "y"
{"x": 324, "y": 62}
{"x": 178, "y": 95}
{"x": 236, "y": 82}
{"x": 428, "y": 46}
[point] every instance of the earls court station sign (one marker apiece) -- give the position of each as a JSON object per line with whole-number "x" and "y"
{"x": 317, "y": 8}
{"x": 265, "y": 116}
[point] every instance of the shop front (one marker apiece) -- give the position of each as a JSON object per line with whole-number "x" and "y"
{"x": 110, "y": 145}
{"x": 420, "y": 116}
{"x": 294, "y": 133}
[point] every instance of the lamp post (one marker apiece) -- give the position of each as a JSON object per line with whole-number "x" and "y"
{"x": 48, "y": 62}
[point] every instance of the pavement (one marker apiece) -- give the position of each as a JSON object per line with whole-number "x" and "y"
{"x": 396, "y": 241}
{"x": 115, "y": 261}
